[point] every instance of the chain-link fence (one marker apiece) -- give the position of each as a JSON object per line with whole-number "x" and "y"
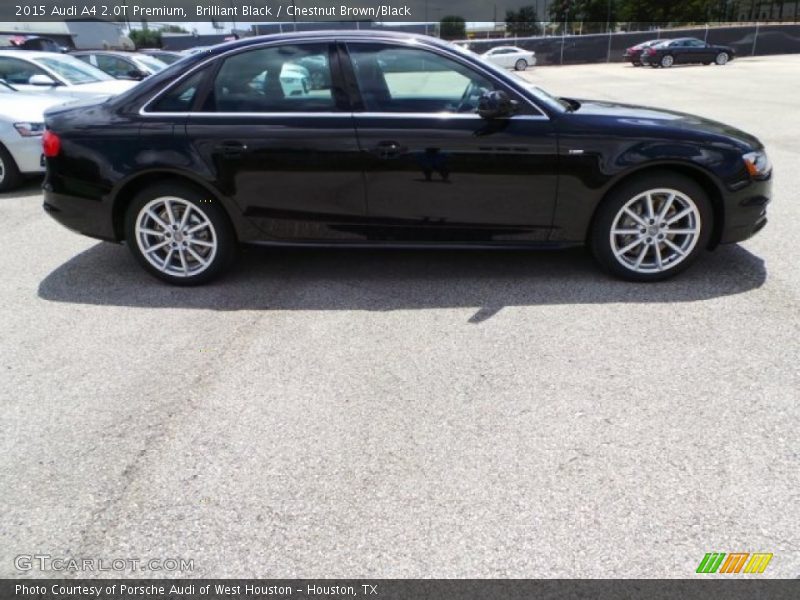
{"x": 746, "y": 40}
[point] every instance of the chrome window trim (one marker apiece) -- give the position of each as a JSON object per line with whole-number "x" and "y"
{"x": 349, "y": 115}
{"x": 412, "y": 42}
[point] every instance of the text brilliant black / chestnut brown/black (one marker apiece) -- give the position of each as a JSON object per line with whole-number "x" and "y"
{"x": 365, "y": 138}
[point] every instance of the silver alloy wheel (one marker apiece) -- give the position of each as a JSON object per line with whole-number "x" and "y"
{"x": 667, "y": 60}
{"x": 521, "y": 65}
{"x": 2, "y": 170}
{"x": 655, "y": 230}
{"x": 176, "y": 237}
{"x": 722, "y": 58}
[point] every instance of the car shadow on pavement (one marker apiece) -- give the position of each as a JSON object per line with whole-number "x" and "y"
{"x": 382, "y": 280}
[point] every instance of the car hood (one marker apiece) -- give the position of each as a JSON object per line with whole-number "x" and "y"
{"x": 107, "y": 88}
{"x": 21, "y": 107}
{"x": 629, "y": 114}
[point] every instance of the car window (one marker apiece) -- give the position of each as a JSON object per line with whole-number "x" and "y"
{"x": 16, "y": 71}
{"x": 153, "y": 64}
{"x": 402, "y": 79}
{"x": 114, "y": 66}
{"x": 695, "y": 43}
{"x": 73, "y": 70}
{"x": 291, "y": 78}
{"x": 181, "y": 97}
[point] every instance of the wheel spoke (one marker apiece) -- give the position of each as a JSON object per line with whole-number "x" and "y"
{"x": 635, "y": 217}
{"x": 182, "y": 255}
{"x": 649, "y": 203}
{"x": 625, "y": 231}
{"x": 197, "y": 257}
{"x": 674, "y": 247}
{"x": 202, "y": 225}
{"x": 682, "y": 231}
{"x": 157, "y": 219}
{"x": 667, "y": 205}
{"x": 679, "y": 216}
{"x": 152, "y": 249}
{"x": 167, "y": 260}
{"x": 201, "y": 243}
{"x": 627, "y": 248}
{"x": 152, "y": 232}
{"x": 170, "y": 214}
{"x": 659, "y": 260}
{"x": 640, "y": 258}
{"x": 185, "y": 217}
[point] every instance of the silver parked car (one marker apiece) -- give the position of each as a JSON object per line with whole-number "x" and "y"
{"x": 122, "y": 65}
{"x": 21, "y": 128}
{"x": 61, "y": 74}
{"x": 511, "y": 57}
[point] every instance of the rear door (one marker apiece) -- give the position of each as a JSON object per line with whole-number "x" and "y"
{"x": 285, "y": 152}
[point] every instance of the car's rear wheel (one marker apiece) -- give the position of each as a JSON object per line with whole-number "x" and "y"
{"x": 521, "y": 65}
{"x": 722, "y": 58}
{"x": 652, "y": 228}
{"x": 667, "y": 61}
{"x": 10, "y": 177}
{"x": 180, "y": 235}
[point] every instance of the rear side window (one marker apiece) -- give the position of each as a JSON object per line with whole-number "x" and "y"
{"x": 290, "y": 78}
{"x": 181, "y": 97}
{"x": 14, "y": 70}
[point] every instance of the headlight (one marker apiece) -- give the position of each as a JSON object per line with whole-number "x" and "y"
{"x": 29, "y": 129}
{"x": 757, "y": 164}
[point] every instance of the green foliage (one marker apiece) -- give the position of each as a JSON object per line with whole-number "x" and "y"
{"x": 146, "y": 38}
{"x": 452, "y": 27}
{"x": 523, "y": 22}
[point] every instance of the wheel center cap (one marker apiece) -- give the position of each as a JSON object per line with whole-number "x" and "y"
{"x": 652, "y": 230}
{"x": 178, "y": 237}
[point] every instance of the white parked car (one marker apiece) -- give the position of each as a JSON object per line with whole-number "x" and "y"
{"x": 21, "y": 128}
{"x": 511, "y": 57}
{"x": 61, "y": 74}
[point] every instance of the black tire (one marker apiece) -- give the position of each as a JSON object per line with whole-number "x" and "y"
{"x": 203, "y": 205}
{"x": 600, "y": 233}
{"x": 10, "y": 177}
{"x": 667, "y": 61}
{"x": 521, "y": 64}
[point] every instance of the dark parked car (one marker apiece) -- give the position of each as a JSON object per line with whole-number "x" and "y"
{"x": 634, "y": 53}
{"x": 221, "y": 149}
{"x": 685, "y": 51}
{"x": 122, "y": 65}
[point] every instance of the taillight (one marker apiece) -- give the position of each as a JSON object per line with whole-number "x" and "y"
{"x": 51, "y": 144}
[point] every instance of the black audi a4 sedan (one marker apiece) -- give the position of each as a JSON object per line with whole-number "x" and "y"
{"x": 684, "y": 51}
{"x": 412, "y": 142}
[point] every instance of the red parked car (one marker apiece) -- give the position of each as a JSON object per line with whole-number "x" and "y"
{"x": 634, "y": 53}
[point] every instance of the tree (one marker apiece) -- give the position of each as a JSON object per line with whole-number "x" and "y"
{"x": 522, "y": 22}
{"x": 146, "y": 38}
{"x": 452, "y": 27}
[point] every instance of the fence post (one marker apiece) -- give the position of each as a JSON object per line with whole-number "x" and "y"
{"x": 755, "y": 39}
{"x": 608, "y": 52}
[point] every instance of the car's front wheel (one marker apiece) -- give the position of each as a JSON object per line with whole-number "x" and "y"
{"x": 10, "y": 176}
{"x": 652, "y": 228}
{"x": 722, "y": 58}
{"x": 667, "y": 61}
{"x": 521, "y": 65}
{"x": 179, "y": 234}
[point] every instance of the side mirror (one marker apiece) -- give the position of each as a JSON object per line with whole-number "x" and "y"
{"x": 42, "y": 80}
{"x": 137, "y": 74}
{"x": 496, "y": 105}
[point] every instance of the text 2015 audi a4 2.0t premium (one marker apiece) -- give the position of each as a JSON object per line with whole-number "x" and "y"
{"x": 412, "y": 142}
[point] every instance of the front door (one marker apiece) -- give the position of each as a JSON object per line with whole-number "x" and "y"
{"x": 435, "y": 170}
{"x": 276, "y": 130}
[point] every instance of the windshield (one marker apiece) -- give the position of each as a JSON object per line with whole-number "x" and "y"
{"x": 74, "y": 71}
{"x": 154, "y": 64}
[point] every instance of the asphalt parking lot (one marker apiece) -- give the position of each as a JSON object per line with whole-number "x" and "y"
{"x": 414, "y": 414}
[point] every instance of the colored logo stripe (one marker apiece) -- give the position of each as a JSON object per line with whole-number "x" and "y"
{"x": 710, "y": 562}
{"x": 758, "y": 563}
{"x": 734, "y": 562}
